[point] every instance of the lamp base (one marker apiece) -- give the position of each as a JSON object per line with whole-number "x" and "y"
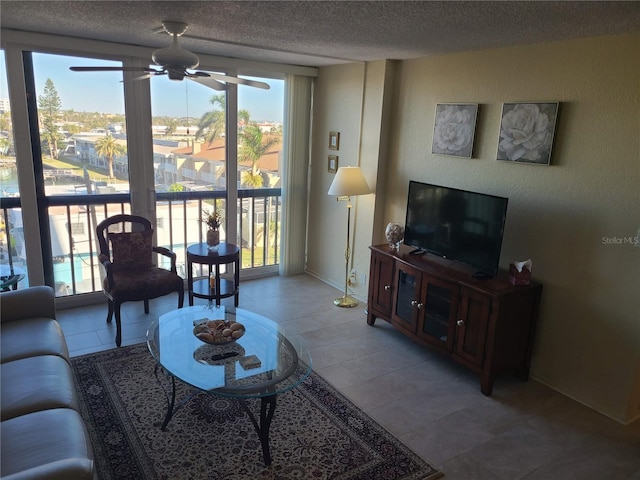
{"x": 346, "y": 301}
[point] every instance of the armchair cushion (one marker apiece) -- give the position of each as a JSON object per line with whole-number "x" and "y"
{"x": 132, "y": 250}
{"x": 143, "y": 284}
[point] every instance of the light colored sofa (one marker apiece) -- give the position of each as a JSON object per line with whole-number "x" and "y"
{"x": 42, "y": 433}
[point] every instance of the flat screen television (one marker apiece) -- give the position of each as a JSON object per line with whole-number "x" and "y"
{"x": 458, "y": 225}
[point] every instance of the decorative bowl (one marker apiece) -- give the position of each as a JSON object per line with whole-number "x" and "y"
{"x": 218, "y": 332}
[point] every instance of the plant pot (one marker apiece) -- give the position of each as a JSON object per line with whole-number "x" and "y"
{"x": 213, "y": 237}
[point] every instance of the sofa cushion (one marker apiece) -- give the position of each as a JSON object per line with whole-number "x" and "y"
{"x": 31, "y": 337}
{"x": 38, "y": 383}
{"x": 29, "y": 302}
{"x": 46, "y": 442}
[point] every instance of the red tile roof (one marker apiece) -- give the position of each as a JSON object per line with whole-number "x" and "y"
{"x": 216, "y": 152}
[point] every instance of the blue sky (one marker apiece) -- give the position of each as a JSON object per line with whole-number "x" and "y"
{"x": 102, "y": 91}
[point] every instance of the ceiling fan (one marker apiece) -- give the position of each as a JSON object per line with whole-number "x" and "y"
{"x": 175, "y": 62}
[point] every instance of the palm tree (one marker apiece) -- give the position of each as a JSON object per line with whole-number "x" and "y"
{"x": 244, "y": 116}
{"x": 252, "y": 147}
{"x": 108, "y": 147}
{"x": 5, "y": 143}
{"x": 213, "y": 121}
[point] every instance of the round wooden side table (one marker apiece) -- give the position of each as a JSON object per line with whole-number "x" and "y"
{"x": 224, "y": 254}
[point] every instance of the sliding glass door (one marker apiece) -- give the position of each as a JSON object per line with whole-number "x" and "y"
{"x": 219, "y": 150}
{"x": 82, "y": 131}
{"x": 260, "y": 170}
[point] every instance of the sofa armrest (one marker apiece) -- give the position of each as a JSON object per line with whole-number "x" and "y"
{"x": 67, "y": 469}
{"x": 30, "y": 302}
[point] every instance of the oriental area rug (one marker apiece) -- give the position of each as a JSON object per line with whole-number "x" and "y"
{"x": 316, "y": 432}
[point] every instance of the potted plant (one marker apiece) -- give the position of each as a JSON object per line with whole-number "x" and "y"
{"x": 213, "y": 220}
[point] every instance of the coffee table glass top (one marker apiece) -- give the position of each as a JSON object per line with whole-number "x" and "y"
{"x": 273, "y": 362}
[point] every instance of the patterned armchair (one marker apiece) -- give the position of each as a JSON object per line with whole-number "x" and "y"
{"x": 126, "y": 257}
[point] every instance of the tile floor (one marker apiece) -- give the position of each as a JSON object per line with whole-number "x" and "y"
{"x": 523, "y": 431}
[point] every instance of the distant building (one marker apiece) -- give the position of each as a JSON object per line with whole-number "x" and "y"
{"x": 5, "y": 106}
{"x": 184, "y": 131}
{"x": 192, "y": 164}
{"x": 115, "y": 128}
{"x": 159, "y": 129}
{"x": 269, "y": 127}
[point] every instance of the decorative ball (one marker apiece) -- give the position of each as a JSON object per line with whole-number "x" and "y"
{"x": 394, "y": 233}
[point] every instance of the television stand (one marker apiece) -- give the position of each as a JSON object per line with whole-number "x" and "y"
{"x": 487, "y": 325}
{"x": 417, "y": 251}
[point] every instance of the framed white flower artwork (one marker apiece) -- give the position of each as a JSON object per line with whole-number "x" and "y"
{"x": 527, "y": 131}
{"x": 454, "y": 129}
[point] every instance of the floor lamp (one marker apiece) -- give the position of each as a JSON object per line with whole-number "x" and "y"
{"x": 348, "y": 182}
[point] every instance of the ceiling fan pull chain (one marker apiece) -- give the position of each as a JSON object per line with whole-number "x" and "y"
{"x": 186, "y": 89}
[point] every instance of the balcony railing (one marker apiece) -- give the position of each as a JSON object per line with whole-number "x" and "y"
{"x": 73, "y": 218}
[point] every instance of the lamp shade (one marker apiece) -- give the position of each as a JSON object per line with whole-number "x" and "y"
{"x": 349, "y": 181}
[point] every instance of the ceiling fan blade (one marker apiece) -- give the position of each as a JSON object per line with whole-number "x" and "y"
{"x": 208, "y": 82}
{"x": 111, "y": 69}
{"x": 239, "y": 81}
{"x": 142, "y": 77}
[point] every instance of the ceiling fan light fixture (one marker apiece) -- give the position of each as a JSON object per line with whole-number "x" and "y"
{"x": 174, "y": 55}
{"x": 174, "y": 28}
{"x": 175, "y": 74}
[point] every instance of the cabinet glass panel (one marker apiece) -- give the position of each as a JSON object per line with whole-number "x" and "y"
{"x": 437, "y": 311}
{"x": 406, "y": 294}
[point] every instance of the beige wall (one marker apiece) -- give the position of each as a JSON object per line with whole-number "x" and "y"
{"x": 588, "y": 340}
{"x": 337, "y": 107}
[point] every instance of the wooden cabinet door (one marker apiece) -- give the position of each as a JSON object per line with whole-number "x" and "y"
{"x": 471, "y": 327}
{"x": 406, "y": 299}
{"x": 438, "y": 310}
{"x": 380, "y": 290}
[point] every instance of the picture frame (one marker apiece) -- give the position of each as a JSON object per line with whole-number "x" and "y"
{"x": 527, "y": 132}
{"x": 332, "y": 164}
{"x": 334, "y": 140}
{"x": 454, "y": 129}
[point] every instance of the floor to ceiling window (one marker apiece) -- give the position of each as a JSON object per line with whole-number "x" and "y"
{"x": 91, "y": 145}
{"x": 83, "y": 150}
{"x": 13, "y": 258}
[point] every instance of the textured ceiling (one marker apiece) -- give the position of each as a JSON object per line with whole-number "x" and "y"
{"x": 318, "y": 33}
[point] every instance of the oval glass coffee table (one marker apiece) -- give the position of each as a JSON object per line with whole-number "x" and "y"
{"x": 262, "y": 363}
